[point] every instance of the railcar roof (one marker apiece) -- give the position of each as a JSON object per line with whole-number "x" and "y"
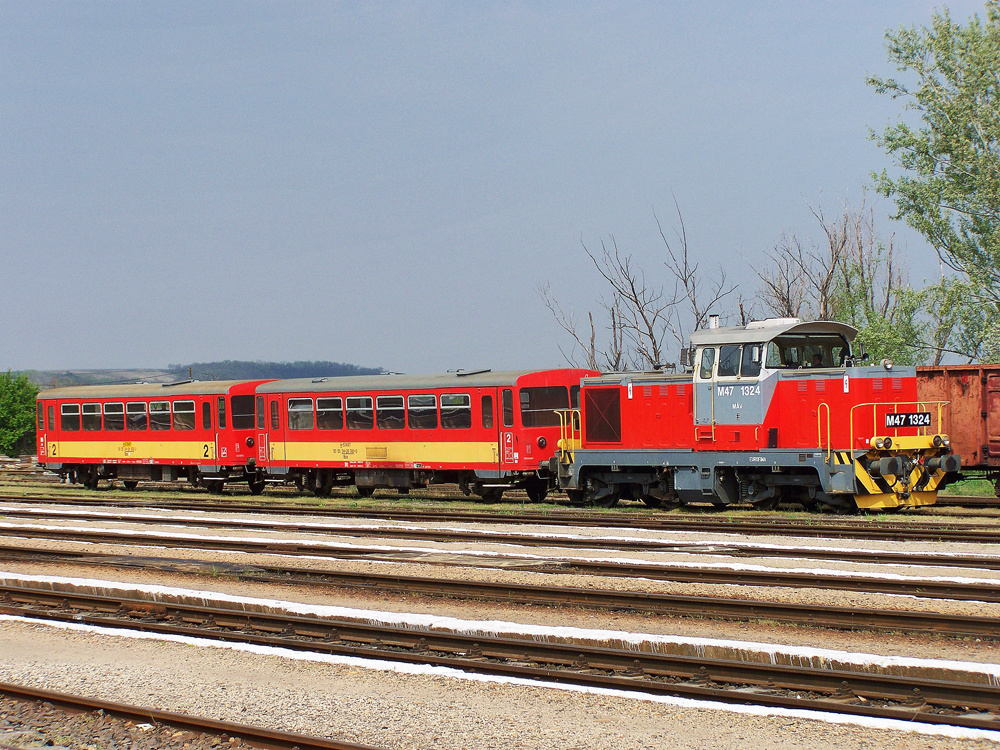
{"x": 765, "y": 330}
{"x": 394, "y": 382}
{"x": 141, "y": 390}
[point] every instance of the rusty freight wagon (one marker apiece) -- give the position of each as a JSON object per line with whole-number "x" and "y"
{"x": 974, "y": 392}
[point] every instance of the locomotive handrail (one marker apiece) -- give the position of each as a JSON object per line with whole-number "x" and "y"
{"x": 819, "y": 429}
{"x": 894, "y": 407}
{"x": 569, "y": 420}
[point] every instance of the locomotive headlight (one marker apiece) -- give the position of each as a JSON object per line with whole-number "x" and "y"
{"x": 938, "y": 441}
{"x": 947, "y": 440}
{"x": 880, "y": 443}
{"x": 542, "y": 442}
{"x": 888, "y": 443}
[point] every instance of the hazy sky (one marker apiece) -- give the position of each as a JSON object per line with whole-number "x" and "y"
{"x": 387, "y": 184}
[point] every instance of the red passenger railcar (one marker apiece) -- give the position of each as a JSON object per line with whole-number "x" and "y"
{"x": 199, "y": 431}
{"x": 486, "y": 431}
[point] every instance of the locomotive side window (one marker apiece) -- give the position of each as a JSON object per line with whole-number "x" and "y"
{"x": 603, "y": 410}
{"x": 183, "y": 415}
{"x": 206, "y": 415}
{"x": 538, "y": 405}
{"x": 91, "y": 417}
{"x": 729, "y": 361}
{"x": 159, "y": 415}
{"x": 574, "y": 396}
{"x": 750, "y": 366}
{"x": 261, "y": 415}
{"x": 275, "y": 416}
{"x": 40, "y": 411}
{"x": 360, "y": 415}
{"x": 422, "y": 413}
{"x": 222, "y": 412}
{"x": 456, "y": 411}
{"x": 707, "y": 362}
{"x": 52, "y": 418}
{"x": 330, "y": 413}
{"x": 69, "y": 417}
{"x": 507, "y": 402}
{"x": 243, "y": 412}
{"x": 487, "y": 404}
{"x": 135, "y": 415}
{"x": 300, "y": 414}
{"x": 390, "y": 413}
{"x": 114, "y": 417}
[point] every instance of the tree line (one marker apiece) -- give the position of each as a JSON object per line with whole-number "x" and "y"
{"x": 947, "y": 188}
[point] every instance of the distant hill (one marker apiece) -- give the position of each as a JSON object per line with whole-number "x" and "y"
{"x": 226, "y": 370}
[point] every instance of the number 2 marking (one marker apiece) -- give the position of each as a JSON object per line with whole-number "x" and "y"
{"x": 206, "y": 451}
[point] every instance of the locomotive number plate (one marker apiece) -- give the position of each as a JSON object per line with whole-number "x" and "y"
{"x": 908, "y": 419}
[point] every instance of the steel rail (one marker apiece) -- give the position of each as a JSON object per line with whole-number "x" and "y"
{"x": 914, "y": 698}
{"x": 256, "y": 736}
{"x": 842, "y": 618}
{"x": 940, "y": 560}
{"x": 949, "y": 530}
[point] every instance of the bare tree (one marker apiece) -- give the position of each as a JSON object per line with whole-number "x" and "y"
{"x": 642, "y": 316}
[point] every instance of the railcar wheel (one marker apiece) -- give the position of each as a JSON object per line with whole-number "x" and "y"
{"x": 996, "y": 487}
{"x": 537, "y": 490}
{"x": 256, "y": 485}
{"x": 491, "y": 495}
{"x": 215, "y": 487}
{"x": 365, "y": 491}
{"x": 130, "y": 484}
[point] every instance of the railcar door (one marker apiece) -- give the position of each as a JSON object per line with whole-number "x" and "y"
{"x": 993, "y": 414}
{"x": 508, "y": 446}
{"x": 276, "y": 434}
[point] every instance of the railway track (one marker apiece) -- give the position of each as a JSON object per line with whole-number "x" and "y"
{"x": 730, "y": 549}
{"x": 841, "y": 618}
{"x": 258, "y": 737}
{"x": 911, "y": 698}
{"x": 808, "y": 528}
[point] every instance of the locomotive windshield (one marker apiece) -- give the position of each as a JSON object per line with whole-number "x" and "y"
{"x": 811, "y": 350}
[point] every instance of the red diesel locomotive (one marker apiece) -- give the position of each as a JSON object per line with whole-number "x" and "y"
{"x": 777, "y": 410}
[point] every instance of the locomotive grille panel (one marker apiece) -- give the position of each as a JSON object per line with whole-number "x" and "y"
{"x": 603, "y": 422}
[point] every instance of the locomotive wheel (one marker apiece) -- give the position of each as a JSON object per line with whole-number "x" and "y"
{"x": 130, "y": 484}
{"x": 491, "y": 495}
{"x": 537, "y": 490}
{"x": 608, "y": 501}
{"x": 652, "y": 502}
{"x": 769, "y": 504}
{"x": 575, "y": 497}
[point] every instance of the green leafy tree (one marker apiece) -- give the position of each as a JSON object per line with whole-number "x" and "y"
{"x": 17, "y": 412}
{"x": 949, "y": 188}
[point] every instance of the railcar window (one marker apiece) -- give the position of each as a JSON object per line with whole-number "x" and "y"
{"x": 159, "y": 415}
{"x": 183, "y": 415}
{"x": 707, "y": 362}
{"x": 70, "y": 417}
{"x": 206, "y": 415}
{"x": 538, "y": 405}
{"x": 222, "y": 413}
{"x": 52, "y": 418}
{"x": 487, "y": 408}
{"x": 507, "y": 404}
{"x": 574, "y": 396}
{"x": 421, "y": 412}
{"x": 330, "y": 413}
{"x": 729, "y": 361}
{"x": 91, "y": 417}
{"x": 114, "y": 417}
{"x": 360, "y": 415}
{"x": 243, "y": 416}
{"x": 40, "y": 411}
{"x": 300, "y": 414}
{"x": 456, "y": 411}
{"x": 390, "y": 414}
{"x": 749, "y": 368}
{"x": 135, "y": 416}
{"x": 261, "y": 414}
{"x": 275, "y": 416}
